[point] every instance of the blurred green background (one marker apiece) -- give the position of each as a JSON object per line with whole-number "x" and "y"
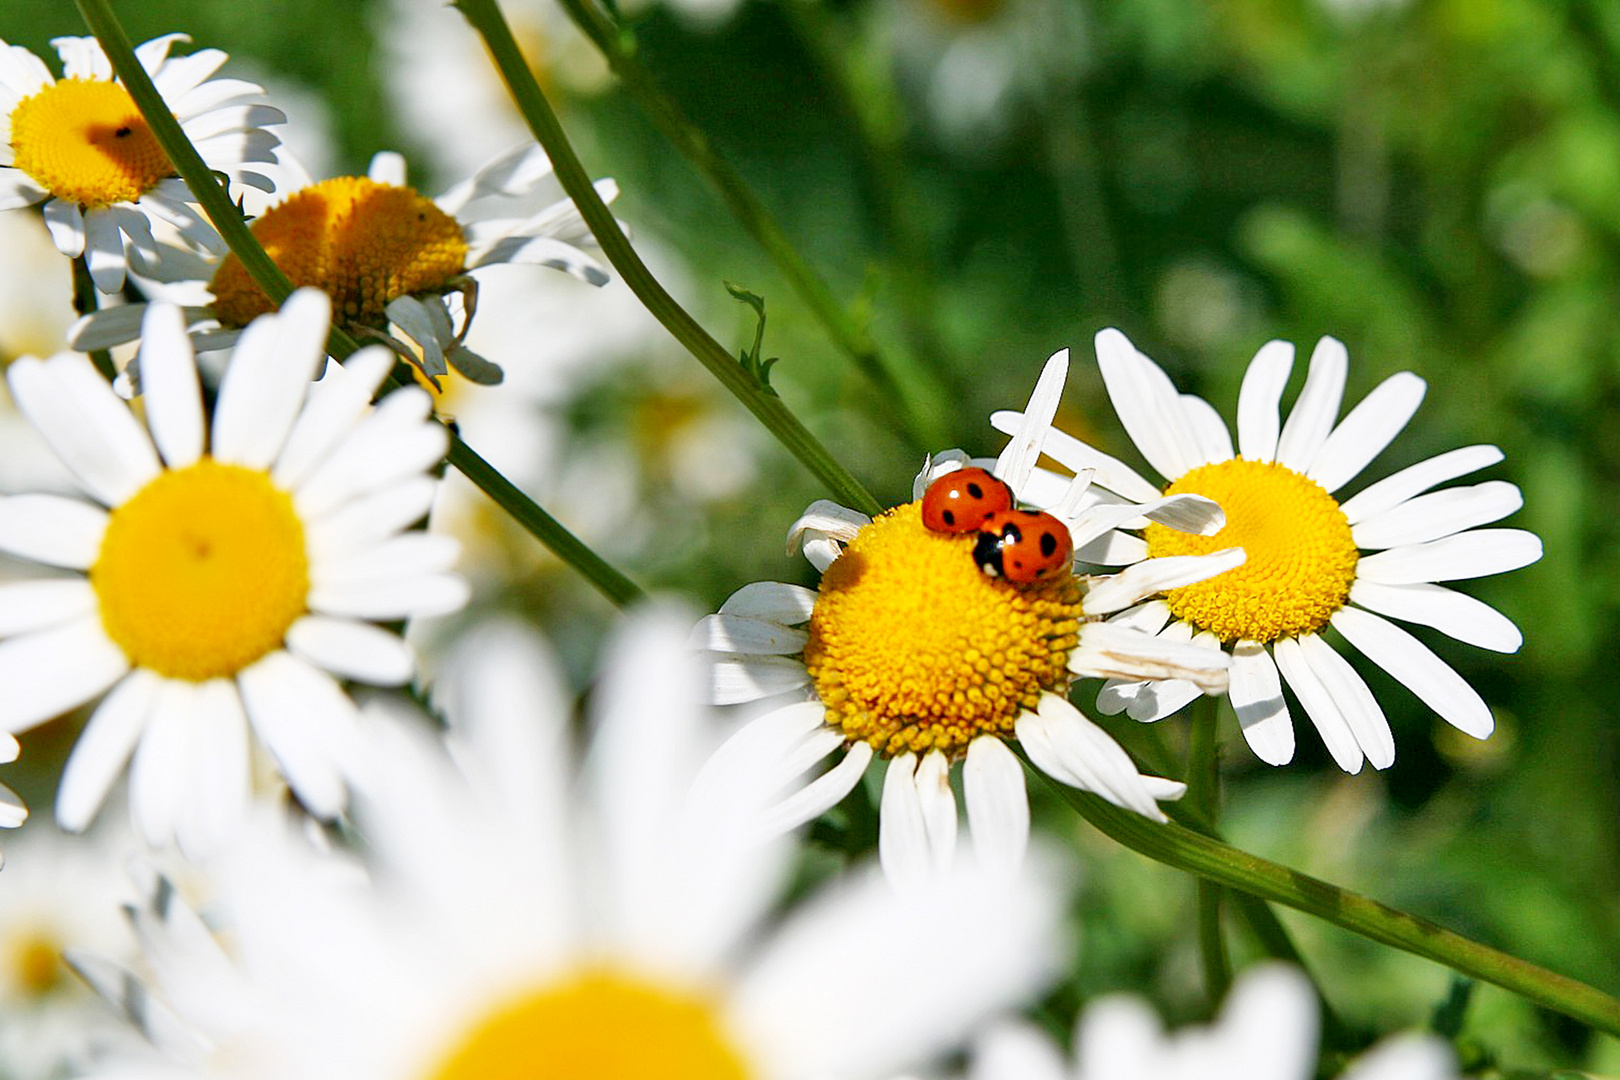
{"x": 986, "y": 181}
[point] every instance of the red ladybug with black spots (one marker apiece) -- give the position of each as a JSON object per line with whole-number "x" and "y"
{"x": 961, "y": 501}
{"x": 1023, "y": 546}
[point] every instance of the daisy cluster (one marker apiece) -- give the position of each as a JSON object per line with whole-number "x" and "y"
{"x": 376, "y": 830}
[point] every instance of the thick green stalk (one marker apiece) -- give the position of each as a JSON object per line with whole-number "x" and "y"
{"x": 485, "y": 17}
{"x": 85, "y": 301}
{"x": 667, "y": 116}
{"x": 1239, "y": 870}
{"x": 216, "y": 203}
{"x": 1203, "y": 793}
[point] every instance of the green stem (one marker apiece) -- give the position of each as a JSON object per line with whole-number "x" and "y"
{"x": 486, "y": 19}
{"x": 690, "y": 141}
{"x": 1203, "y": 793}
{"x": 1207, "y": 900}
{"x": 216, "y": 203}
{"x": 85, "y": 301}
{"x": 1240, "y": 870}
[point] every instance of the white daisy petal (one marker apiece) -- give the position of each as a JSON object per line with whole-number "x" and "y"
{"x": 352, "y": 650}
{"x": 826, "y": 517}
{"x": 1160, "y": 698}
{"x": 1074, "y": 751}
{"x": 268, "y": 379}
{"x": 1208, "y": 430}
{"x": 91, "y": 430}
{"x": 66, "y": 225}
{"x": 1356, "y": 703}
{"x": 1121, "y": 652}
{"x": 933, "y": 779}
{"x": 1152, "y": 576}
{"x": 103, "y": 748}
{"x": 741, "y": 634}
{"x": 1257, "y": 698}
{"x": 1438, "y": 514}
{"x": 219, "y": 787}
{"x": 903, "y": 840}
{"x": 1109, "y": 472}
{"x": 1259, "y": 398}
{"x": 771, "y": 752}
{"x": 407, "y": 555}
{"x": 169, "y": 383}
{"x": 1319, "y": 704}
{"x": 159, "y": 771}
{"x": 1112, "y": 549}
{"x": 48, "y": 673}
{"x": 104, "y": 250}
{"x": 1466, "y": 555}
{"x": 369, "y": 519}
{"x": 30, "y": 606}
{"x": 821, "y": 794}
{"x": 1414, "y": 665}
{"x": 12, "y": 811}
{"x": 997, "y": 805}
{"x": 395, "y": 441}
{"x": 789, "y": 605}
{"x": 750, "y": 678}
{"x": 1311, "y": 420}
{"x": 1148, "y": 405}
{"x": 1396, "y": 488}
{"x": 335, "y": 406}
{"x": 399, "y": 598}
{"x": 306, "y": 721}
{"x": 52, "y": 530}
{"x": 1149, "y": 617}
{"x": 1453, "y": 613}
{"x": 1018, "y": 459}
{"x": 17, "y": 190}
{"x": 1015, "y": 1050}
{"x": 1367, "y": 430}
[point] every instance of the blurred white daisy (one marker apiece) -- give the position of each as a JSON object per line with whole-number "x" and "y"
{"x": 80, "y": 145}
{"x": 524, "y": 919}
{"x": 1267, "y": 1030}
{"x": 1305, "y": 569}
{"x": 227, "y": 573}
{"x": 389, "y": 256}
{"x": 913, "y": 654}
{"x": 58, "y": 891}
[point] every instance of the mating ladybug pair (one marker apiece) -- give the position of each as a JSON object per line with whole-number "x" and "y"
{"x": 1022, "y": 546}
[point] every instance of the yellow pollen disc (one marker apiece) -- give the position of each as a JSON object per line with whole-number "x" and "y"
{"x": 1301, "y": 559}
{"x": 361, "y": 242}
{"x": 83, "y": 140}
{"x": 597, "y": 1026}
{"x": 912, "y": 647}
{"x": 36, "y": 963}
{"x": 202, "y": 571}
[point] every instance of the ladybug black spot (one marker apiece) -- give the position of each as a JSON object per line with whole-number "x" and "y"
{"x": 949, "y": 516}
{"x": 975, "y": 490}
{"x": 1048, "y": 544}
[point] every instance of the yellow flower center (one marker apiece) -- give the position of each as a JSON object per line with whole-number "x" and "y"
{"x": 361, "y": 242}
{"x": 83, "y": 140}
{"x": 36, "y": 962}
{"x": 912, "y": 647}
{"x": 1301, "y": 558}
{"x": 602, "y": 1026}
{"x": 202, "y": 571}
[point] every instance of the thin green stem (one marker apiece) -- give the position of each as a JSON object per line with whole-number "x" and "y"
{"x": 846, "y": 331}
{"x": 1207, "y": 901}
{"x": 486, "y": 18}
{"x": 85, "y": 301}
{"x": 216, "y": 203}
{"x": 1203, "y": 792}
{"x": 1242, "y": 871}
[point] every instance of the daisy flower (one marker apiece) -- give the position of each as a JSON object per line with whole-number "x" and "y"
{"x": 912, "y": 654}
{"x": 58, "y": 890}
{"x": 387, "y": 255}
{"x": 1306, "y": 567}
{"x": 226, "y": 574}
{"x": 1267, "y": 1030}
{"x": 80, "y": 146}
{"x": 521, "y": 917}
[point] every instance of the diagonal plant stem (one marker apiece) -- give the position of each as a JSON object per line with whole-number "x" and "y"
{"x": 846, "y": 331}
{"x": 227, "y": 220}
{"x": 1240, "y": 870}
{"x": 486, "y": 18}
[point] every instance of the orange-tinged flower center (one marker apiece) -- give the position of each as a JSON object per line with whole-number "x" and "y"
{"x": 912, "y": 647}
{"x": 361, "y": 242}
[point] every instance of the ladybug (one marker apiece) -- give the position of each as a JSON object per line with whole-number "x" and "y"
{"x": 963, "y": 500}
{"x": 1023, "y": 546}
